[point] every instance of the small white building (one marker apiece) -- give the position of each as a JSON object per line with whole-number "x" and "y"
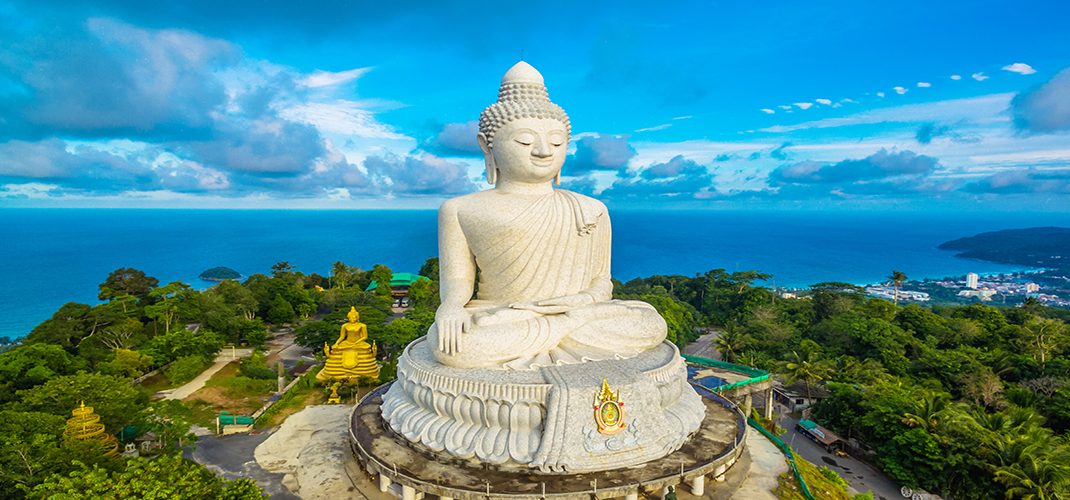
{"x": 1032, "y": 287}
{"x": 971, "y": 280}
{"x": 981, "y": 294}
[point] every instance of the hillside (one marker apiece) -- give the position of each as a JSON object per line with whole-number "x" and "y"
{"x": 1034, "y": 247}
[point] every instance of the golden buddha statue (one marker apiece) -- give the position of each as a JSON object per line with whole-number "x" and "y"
{"x": 351, "y": 356}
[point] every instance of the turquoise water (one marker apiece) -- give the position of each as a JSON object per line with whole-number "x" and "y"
{"x": 53, "y": 256}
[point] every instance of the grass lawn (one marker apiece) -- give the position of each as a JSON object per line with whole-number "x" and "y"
{"x": 156, "y": 383}
{"x": 228, "y": 391}
{"x": 820, "y": 486}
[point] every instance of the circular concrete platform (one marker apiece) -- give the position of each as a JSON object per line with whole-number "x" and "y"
{"x": 408, "y": 470}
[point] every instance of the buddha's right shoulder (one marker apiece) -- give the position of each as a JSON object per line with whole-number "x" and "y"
{"x": 458, "y": 205}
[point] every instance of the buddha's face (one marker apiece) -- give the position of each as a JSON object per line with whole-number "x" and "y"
{"x": 530, "y": 150}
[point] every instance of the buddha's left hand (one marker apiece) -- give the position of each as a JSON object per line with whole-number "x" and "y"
{"x": 557, "y": 304}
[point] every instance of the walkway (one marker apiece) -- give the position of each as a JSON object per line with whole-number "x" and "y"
{"x": 767, "y": 464}
{"x": 221, "y": 360}
{"x": 703, "y": 346}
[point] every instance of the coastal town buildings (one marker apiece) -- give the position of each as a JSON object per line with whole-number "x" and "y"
{"x": 888, "y": 293}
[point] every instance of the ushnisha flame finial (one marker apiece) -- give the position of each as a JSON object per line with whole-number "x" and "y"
{"x": 522, "y": 95}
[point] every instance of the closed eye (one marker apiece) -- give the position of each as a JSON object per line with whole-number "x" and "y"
{"x": 525, "y": 139}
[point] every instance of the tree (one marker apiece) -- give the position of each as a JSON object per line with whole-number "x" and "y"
{"x": 173, "y": 345}
{"x": 936, "y": 415}
{"x": 112, "y": 398}
{"x": 1036, "y": 478}
{"x": 127, "y": 281}
{"x": 898, "y": 278}
{"x": 731, "y": 341}
{"x": 282, "y": 270}
{"x": 168, "y": 477}
{"x": 808, "y": 367}
{"x": 127, "y": 363}
{"x": 680, "y": 320}
{"x": 1043, "y": 335}
{"x": 382, "y": 276}
{"x": 430, "y": 268}
{"x": 341, "y": 274}
{"x": 34, "y": 364}
{"x": 122, "y": 335}
{"x": 316, "y": 333}
{"x": 280, "y": 311}
{"x": 237, "y": 297}
{"x": 423, "y": 293}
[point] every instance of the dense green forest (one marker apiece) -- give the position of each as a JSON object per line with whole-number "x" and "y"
{"x": 969, "y": 402}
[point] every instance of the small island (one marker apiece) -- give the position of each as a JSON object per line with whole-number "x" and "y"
{"x": 220, "y": 274}
{"x": 1047, "y": 247}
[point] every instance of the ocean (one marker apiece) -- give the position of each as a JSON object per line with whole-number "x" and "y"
{"x": 53, "y": 256}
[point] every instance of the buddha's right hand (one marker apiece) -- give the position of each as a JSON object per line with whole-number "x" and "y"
{"x": 452, "y": 322}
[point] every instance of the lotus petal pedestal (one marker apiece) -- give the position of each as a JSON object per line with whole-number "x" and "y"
{"x": 546, "y": 418}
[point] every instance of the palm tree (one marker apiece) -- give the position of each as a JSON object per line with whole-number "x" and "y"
{"x": 937, "y": 415}
{"x": 1036, "y": 477}
{"x": 731, "y": 341}
{"x": 898, "y": 278}
{"x": 808, "y": 367}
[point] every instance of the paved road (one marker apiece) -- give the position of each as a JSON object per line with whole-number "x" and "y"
{"x": 703, "y": 347}
{"x": 231, "y": 457}
{"x": 283, "y": 349}
{"x": 861, "y": 476}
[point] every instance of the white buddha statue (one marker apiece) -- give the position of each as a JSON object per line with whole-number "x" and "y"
{"x": 543, "y": 253}
{"x": 514, "y": 376}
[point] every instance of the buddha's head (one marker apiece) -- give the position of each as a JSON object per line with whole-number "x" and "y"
{"x": 524, "y": 136}
{"x": 353, "y": 315}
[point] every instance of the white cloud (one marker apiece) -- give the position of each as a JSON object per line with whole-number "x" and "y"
{"x": 826, "y": 102}
{"x": 979, "y": 76}
{"x": 979, "y": 110}
{"x": 900, "y": 90}
{"x": 849, "y": 100}
{"x": 325, "y": 78}
{"x": 341, "y": 116}
{"x": 956, "y": 77}
{"x": 784, "y": 107}
{"x": 924, "y": 84}
{"x": 1022, "y": 68}
{"x": 804, "y": 105}
{"x": 880, "y": 94}
{"x": 768, "y": 111}
{"x": 659, "y": 127}
{"x": 683, "y": 117}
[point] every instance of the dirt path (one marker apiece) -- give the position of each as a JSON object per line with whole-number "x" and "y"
{"x": 222, "y": 360}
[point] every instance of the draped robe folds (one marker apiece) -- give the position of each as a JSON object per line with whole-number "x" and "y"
{"x": 557, "y": 246}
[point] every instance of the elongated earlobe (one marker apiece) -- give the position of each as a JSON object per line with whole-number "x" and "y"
{"x": 488, "y": 158}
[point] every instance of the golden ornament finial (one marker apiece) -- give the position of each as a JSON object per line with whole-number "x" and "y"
{"x": 607, "y": 393}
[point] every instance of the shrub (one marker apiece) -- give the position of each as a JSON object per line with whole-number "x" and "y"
{"x": 255, "y": 367}
{"x": 184, "y": 369}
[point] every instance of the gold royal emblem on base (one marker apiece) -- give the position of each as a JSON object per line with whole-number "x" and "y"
{"x": 608, "y": 410}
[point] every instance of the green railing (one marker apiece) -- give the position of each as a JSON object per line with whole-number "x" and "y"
{"x": 787, "y": 454}
{"x": 756, "y": 374}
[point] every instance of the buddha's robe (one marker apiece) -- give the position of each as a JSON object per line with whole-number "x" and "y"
{"x": 558, "y": 246}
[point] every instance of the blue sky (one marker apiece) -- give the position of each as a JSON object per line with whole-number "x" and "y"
{"x": 722, "y": 105}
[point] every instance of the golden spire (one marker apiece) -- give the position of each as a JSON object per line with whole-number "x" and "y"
{"x": 607, "y": 393}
